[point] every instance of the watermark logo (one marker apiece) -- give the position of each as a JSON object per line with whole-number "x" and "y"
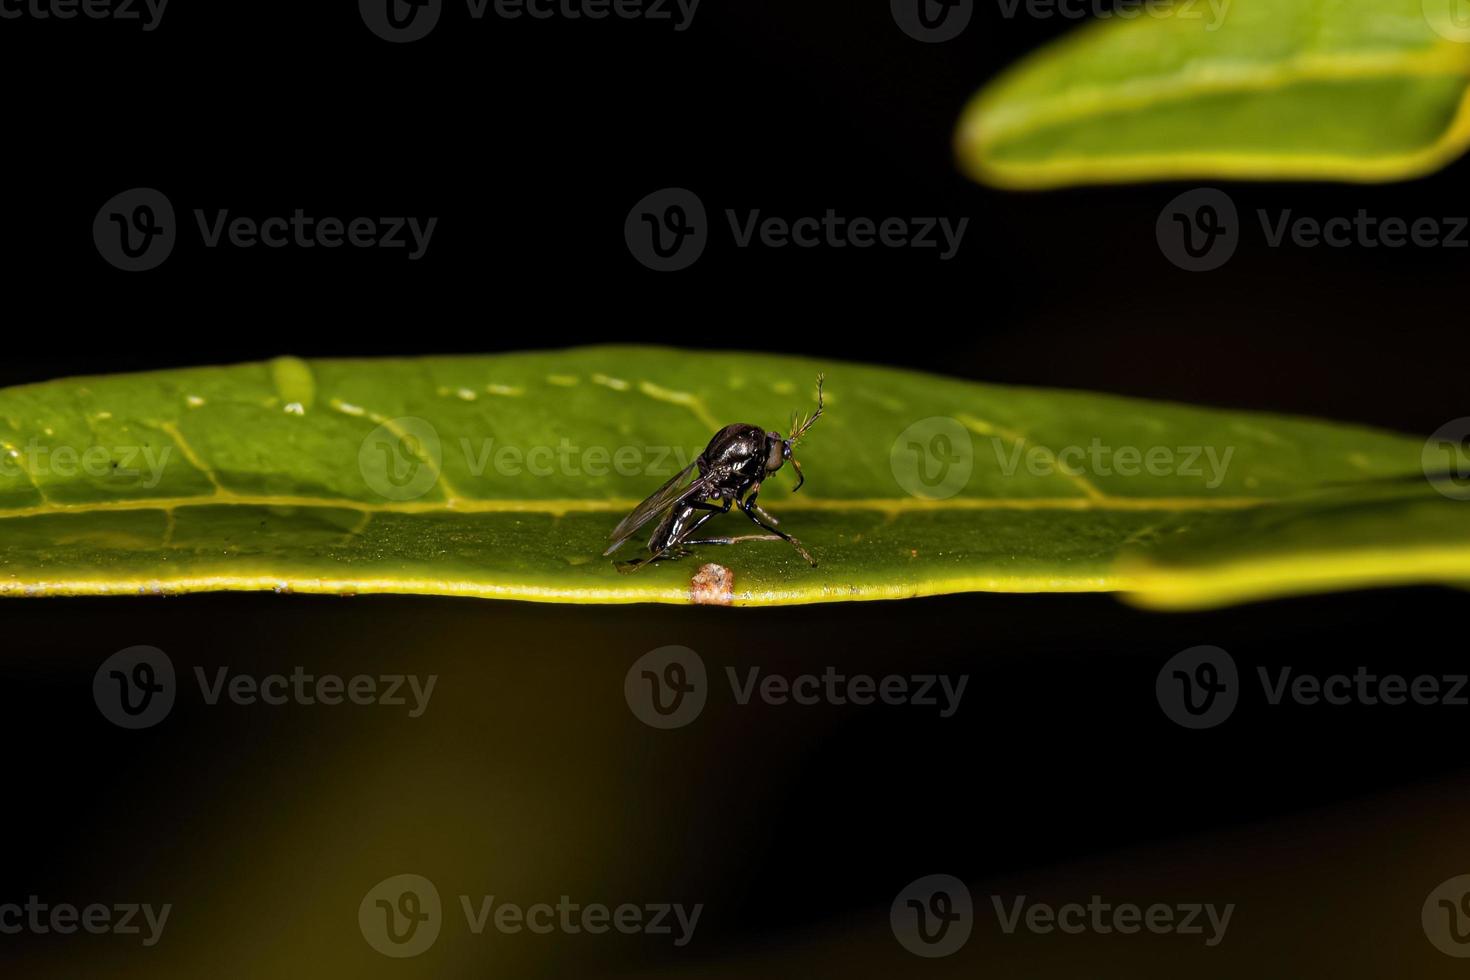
{"x": 1446, "y": 916}
{"x": 1446, "y": 459}
{"x": 1199, "y": 230}
{"x": 135, "y": 230}
{"x": 400, "y": 21}
{"x": 401, "y": 458}
{"x": 932, "y": 21}
{"x": 932, "y": 917}
{"x": 667, "y": 687}
{"x": 933, "y": 458}
{"x": 667, "y": 230}
{"x": 1199, "y": 687}
{"x": 1450, "y": 19}
{"x": 135, "y": 688}
{"x": 401, "y": 916}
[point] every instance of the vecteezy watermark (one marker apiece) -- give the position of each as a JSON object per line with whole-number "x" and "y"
{"x": 147, "y": 13}
{"x": 669, "y": 229}
{"x": 402, "y": 458}
{"x": 1200, "y": 229}
{"x": 672, "y": 919}
{"x": 1200, "y": 687}
{"x": 1450, "y": 19}
{"x": 129, "y": 466}
{"x": 300, "y": 230}
{"x": 936, "y": 21}
{"x": 65, "y": 919}
{"x": 401, "y": 21}
{"x": 669, "y": 687}
{"x": 137, "y": 688}
{"x": 1099, "y": 459}
{"x": 408, "y": 691}
{"x": 1362, "y": 687}
{"x": 137, "y": 230}
{"x": 934, "y": 459}
{"x": 932, "y": 916}
{"x": 403, "y": 916}
{"x": 1210, "y": 13}
{"x": 1446, "y": 459}
{"x": 1446, "y": 916}
{"x": 932, "y": 21}
{"x": 833, "y": 687}
{"x": 1204, "y": 919}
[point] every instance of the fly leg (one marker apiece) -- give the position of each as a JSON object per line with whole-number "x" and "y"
{"x": 736, "y": 540}
{"x": 754, "y": 512}
{"x": 672, "y": 534}
{"x": 765, "y": 515}
{"x": 678, "y": 546}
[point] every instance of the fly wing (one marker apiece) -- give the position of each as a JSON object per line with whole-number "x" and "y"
{"x": 660, "y": 500}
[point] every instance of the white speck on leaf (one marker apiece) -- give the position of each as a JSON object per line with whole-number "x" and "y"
{"x": 712, "y": 585}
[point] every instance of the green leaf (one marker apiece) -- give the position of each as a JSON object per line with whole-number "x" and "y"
{"x": 502, "y": 476}
{"x": 1369, "y": 90}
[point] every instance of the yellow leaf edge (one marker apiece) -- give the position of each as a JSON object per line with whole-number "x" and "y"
{"x": 1138, "y": 583}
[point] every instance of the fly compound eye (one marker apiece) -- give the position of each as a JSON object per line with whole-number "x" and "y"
{"x": 776, "y": 453}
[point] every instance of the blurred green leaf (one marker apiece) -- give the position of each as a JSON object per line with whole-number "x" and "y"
{"x": 502, "y": 476}
{"x": 1369, "y": 90}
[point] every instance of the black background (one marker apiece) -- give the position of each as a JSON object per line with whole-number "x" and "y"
{"x": 530, "y": 141}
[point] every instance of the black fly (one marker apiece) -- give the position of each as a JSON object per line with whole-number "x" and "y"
{"x": 731, "y": 469}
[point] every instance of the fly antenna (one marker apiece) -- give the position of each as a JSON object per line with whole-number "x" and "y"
{"x": 800, "y": 425}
